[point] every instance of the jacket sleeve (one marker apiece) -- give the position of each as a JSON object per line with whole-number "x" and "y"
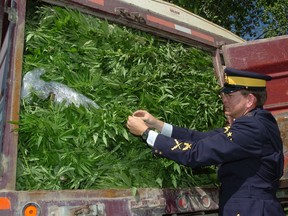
{"x": 194, "y": 149}
{"x": 192, "y": 135}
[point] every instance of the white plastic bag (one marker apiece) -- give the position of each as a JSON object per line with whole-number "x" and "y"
{"x": 33, "y": 83}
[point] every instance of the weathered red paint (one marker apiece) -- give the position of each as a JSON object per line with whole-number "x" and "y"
{"x": 203, "y": 36}
{"x": 99, "y": 2}
{"x": 160, "y": 21}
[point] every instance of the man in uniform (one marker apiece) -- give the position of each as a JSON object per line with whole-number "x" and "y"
{"x": 249, "y": 150}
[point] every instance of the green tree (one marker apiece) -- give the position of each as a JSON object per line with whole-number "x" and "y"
{"x": 246, "y": 18}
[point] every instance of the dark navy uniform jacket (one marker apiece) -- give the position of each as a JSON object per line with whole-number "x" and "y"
{"x": 250, "y": 158}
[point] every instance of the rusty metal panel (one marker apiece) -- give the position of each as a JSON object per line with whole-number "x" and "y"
{"x": 5, "y": 62}
{"x": 145, "y": 202}
{"x": 282, "y": 120}
{"x": 12, "y": 94}
{"x": 4, "y": 68}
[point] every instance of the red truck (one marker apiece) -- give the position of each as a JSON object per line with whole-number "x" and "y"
{"x": 268, "y": 56}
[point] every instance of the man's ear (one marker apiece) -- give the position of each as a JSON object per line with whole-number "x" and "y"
{"x": 252, "y": 100}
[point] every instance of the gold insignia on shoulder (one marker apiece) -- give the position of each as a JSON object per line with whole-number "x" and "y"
{"x": 228, "y": 133}
{"x": 226, "y": 129}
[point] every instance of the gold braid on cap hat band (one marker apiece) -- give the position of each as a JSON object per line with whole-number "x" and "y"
{"x": 245, "y": 81}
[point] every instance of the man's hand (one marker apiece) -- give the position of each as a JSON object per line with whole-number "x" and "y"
{"x": 149, "y": 119}
{"x": 136, "y": 125}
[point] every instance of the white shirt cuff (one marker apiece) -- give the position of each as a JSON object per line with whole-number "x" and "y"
{"x": 167, "y": 129}
{"x": 152, "y": 135}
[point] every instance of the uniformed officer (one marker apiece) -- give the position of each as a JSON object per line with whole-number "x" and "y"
{"x": 249, "y": 151}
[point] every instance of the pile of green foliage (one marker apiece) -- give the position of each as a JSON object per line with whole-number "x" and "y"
{"x": 122, "y": 70}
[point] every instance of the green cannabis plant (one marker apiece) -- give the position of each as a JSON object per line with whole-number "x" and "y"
{"x": 121, "y": 70}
